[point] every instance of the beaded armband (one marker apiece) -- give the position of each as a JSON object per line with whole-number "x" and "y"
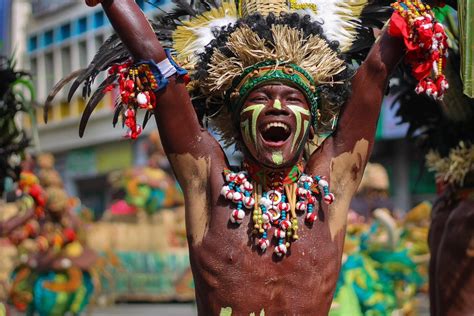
{"x": 426, "y": 44}
{"x": 138, "y": 82}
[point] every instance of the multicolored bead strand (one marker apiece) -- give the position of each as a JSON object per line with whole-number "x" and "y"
{"x": 276, "y": 207}
{"x": 238, "y": 190}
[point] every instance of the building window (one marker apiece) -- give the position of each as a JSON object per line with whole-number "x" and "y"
{"x": 32, "y": 43}
{"x": 65, "y": 31}
{"x": 49, "y": 70}
{"x": 66, "y": 62}
{"x": 48, "y": 38}
{"x": 34, "y": 71}
{"x": 99, "y": 19}
{"x": 82, "y": 25}
{"x": 82, "y": 54}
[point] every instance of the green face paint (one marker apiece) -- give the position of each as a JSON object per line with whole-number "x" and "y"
{"x": 277, "y": 157}
{"x": 226, "y": 311}
{"x": 277, "y": 104}
{"x": 256, "y": 108}
{"x": 298, "y": 110}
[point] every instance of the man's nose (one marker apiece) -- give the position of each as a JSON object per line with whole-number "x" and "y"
{"x": 283, "y": 111}
{"x": 277, "y": 108}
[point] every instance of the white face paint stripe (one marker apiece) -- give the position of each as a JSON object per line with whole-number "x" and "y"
{"x": 256, "y": 108}
{"x": 298, "y": 110}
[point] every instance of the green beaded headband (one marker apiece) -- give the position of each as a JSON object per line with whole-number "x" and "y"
{"x": 267, "y": 71}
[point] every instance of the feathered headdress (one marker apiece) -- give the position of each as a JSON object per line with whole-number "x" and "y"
{"x": 233, "y": 47}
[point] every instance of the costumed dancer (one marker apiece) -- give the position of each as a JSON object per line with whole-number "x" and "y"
{"x": 381, "y": 271}
{"x": 445, "y": 132}
{"x": 269, "y": 237}
{"x": 53, "y": 277}
{"x": 16, "y": 95}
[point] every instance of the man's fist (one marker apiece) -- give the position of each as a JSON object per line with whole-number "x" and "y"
{"x": 93, "y": 3}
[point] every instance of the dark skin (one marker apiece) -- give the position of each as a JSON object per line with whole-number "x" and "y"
{"x": 228, "y": 271}
{"x": 451, "y": 242}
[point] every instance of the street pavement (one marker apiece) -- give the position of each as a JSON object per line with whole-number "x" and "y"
{"x": 189, "y": 309}
{"x": 178, "y": 309}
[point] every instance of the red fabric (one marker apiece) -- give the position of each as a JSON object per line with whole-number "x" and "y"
{"x": 399, "y": 28}
{"x": 421, "y": 71}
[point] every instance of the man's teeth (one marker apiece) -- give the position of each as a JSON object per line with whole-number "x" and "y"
{"x": 276, "y": 124}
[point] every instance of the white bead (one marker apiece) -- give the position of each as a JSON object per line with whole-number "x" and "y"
{"x": 284, "y": 206}
{"x": 301, "y": 191}
{"x": 224, "y": 190}
{"x": 263, "y": 243}
{"x": 142, "y": 99}
{"x": 267, "y": 217}
{"x": 241, "y": 177}
{"x": 229, "y": 195}
{"x": 237, "y": 197}
{"x": 301, "y": 206}
{"x": 281, "y": 249}
{"x": 249, "y": 202}
{"x": 248, "y": 186}
{"x": 230, "y": 177}
{"x": 266, "y": 226}
{"x": 285, "y": 224}
{"x": 279, "y": 233}
{"x": 323, "y": 183}
{"x": 328, "y": 199}
{"x": 237, "y": 216}
{"x": 265, "y": 202}
{"x": 311, "y": 217}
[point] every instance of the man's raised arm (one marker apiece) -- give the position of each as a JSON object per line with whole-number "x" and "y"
{"x": 358, "y": 120}
{"x": 176, "y": 119}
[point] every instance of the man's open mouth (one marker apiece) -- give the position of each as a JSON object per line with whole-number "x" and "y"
{"x": 275, "y": 133}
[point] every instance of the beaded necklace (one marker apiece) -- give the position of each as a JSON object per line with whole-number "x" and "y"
{"x": 275, "y": 198}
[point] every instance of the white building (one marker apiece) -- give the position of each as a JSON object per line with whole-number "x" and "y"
{"x": 63, "y": 36}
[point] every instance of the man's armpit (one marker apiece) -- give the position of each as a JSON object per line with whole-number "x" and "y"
{"x": 345, "y": 175}
{"x": 193, "y": 176}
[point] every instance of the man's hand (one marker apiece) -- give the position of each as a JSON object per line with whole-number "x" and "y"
{"x": 93, "y": 3}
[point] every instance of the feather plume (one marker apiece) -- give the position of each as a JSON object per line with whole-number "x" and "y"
{"x": 55, "y": 90}
{"x": 192, "y": 36}
{"x": 339, "y": 18}
{"x": 93, "y": 101}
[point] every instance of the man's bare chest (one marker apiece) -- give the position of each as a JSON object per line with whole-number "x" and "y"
{"x": 228, "y": 261}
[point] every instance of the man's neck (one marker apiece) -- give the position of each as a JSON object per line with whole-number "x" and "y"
{"x": 272, "y": 178}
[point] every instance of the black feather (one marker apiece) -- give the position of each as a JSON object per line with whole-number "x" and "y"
{"x": 92, "y": 103}
{"x": 185, "y": 6}
{"x": 56, "y": 89}
{"x": 118, "y": 110}
{"x": 148, "y": 114}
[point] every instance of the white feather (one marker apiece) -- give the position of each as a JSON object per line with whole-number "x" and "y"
{"x": 204, "y": 35}
{"x": 337, "y": 19}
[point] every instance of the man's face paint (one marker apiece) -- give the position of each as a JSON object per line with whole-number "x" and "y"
{"x": 274, "y": 123}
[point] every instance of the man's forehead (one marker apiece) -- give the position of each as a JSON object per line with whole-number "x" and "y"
{"x": 276, "y": 86}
